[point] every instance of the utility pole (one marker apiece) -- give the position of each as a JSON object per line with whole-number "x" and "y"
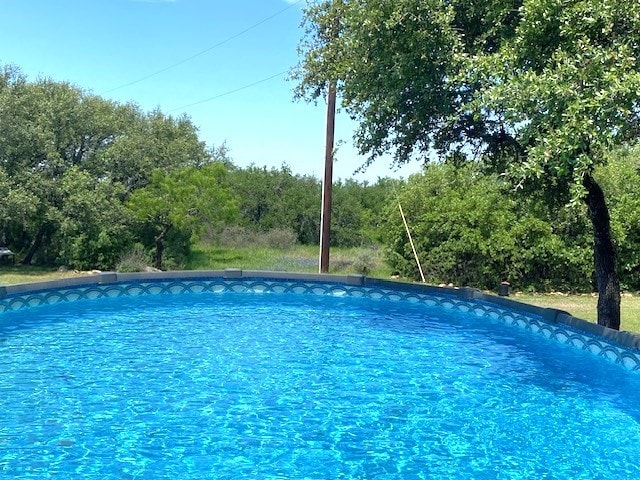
{"x": 327, "y": 184}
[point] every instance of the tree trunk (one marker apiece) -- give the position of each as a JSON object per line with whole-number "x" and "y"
{"x": 35, "y": 245}
{"x": 604, "y": 256}
{"x": 159, "y": 240}
{"x": 159, "y": 250}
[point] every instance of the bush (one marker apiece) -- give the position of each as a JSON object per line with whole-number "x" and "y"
{"x": 620, "y": 180}
{"x": 280, "y": 239}
{"x": 134, "y": 260}
{"x": 233, "y": 236}
{"x": 470, "y": 229}
{"x": 364, "y": 261}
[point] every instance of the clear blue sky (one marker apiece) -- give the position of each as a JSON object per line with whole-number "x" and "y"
{"x": 118, "y": 49}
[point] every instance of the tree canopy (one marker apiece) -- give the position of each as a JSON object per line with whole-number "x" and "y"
{"x": 540, "y": 78}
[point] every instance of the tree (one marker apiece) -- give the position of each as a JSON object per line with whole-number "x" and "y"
{"x": 277, "y": 199}
{"x": 53, "y": 132}
{"x": 49, "y": 129}
{"x": 181, "y": 202}
{"x": 148, "y": 142}
{"x": 537, "y": 89}
{"x": 16, "y": 207}
{"x": 95, "y": 225}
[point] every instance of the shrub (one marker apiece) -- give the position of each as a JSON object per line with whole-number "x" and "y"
{"x": 280, "y": 239}
{"x": 364, "y": 261}
{"x": 470, "y": 229}
{"x": 234, "y": 236}
{"x": 134, "y": 260}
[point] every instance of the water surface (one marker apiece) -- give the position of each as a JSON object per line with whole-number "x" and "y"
{"x": 241, "y": 385}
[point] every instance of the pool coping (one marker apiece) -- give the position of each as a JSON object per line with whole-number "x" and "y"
{"x": 625, "y": 339}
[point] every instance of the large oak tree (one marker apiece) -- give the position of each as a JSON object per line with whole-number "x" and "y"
{"x": 538, "y": 89}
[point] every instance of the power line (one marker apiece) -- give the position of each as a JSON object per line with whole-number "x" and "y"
{"x": 202, "y": 52}
{"x": 229, "y": 92}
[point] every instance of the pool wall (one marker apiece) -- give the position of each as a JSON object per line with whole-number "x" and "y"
{"x": 620, "y": 347}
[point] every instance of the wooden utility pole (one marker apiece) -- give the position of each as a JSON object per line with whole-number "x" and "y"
{"x": 327, "y": 184}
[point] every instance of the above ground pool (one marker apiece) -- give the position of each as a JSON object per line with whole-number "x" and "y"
{"x": 236, "y": 375}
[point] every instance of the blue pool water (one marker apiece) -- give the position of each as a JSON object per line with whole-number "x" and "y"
{"x": 239, "y": 385}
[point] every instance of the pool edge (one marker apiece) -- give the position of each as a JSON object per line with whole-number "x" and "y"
{"x": 623, "y": 338}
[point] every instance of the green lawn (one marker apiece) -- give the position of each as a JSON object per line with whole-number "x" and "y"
{"x": 584, "y": 306}
{"x": 14, "y": 274}
{"x": 305, "y": 259}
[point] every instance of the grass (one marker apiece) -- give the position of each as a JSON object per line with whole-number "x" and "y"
{"x": 584, "y": 306}
{"x": 301, "y": 258}
{"x": 305, "y": 259}
{"x": 15, "y": 274}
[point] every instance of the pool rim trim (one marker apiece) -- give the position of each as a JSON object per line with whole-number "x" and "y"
{"x": 554, "y": 316}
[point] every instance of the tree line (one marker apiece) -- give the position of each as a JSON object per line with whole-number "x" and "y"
{"x": 84, "y": 180}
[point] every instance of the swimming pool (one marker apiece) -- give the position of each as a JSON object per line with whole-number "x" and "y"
{"x": 292, "y": 378}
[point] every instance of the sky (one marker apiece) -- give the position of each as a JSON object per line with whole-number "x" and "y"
{"x": 224, "y": 63}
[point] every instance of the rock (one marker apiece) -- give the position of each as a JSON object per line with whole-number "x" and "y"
{"x": 151, "y": 269}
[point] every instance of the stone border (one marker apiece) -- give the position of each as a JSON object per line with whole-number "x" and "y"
{"x": 553, "y": 316}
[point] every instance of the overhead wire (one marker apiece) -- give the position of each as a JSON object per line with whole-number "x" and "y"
{"x": 224, "y": 94}
{"x": 208, "y": 49}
